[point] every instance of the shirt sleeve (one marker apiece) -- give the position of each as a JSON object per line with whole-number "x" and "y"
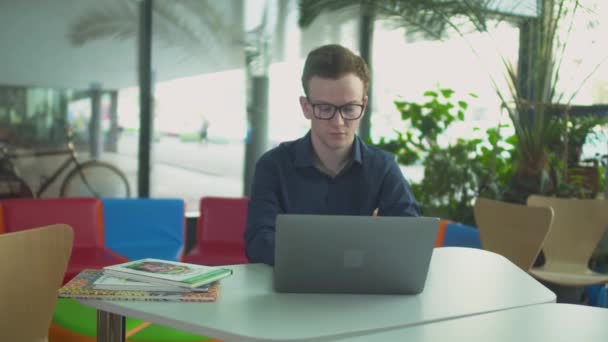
{"x": 396, "y": 197}
{"x": 262, "y": 212}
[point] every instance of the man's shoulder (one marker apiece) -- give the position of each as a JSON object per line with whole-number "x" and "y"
{"x": 376, "y": 155}
{"x": 280, "y": 153}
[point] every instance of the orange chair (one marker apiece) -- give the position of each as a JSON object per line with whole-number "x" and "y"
{"x": 220, "y": 230}
{"x": 82, "y": 214}
{"x": 441, "y": 232}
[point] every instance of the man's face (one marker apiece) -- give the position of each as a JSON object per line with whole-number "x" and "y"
{"x": 336, "y": 133}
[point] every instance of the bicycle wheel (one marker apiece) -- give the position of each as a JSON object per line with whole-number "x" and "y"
{"x": 95, "y": 179}
{"x": 12, "y": 186}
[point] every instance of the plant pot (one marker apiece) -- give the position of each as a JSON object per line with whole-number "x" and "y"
{"x": 586, "y": 179}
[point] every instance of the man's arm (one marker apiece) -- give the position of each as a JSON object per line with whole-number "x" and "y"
{"x": 262, "y": 213}
{"x": 396, "y": 197}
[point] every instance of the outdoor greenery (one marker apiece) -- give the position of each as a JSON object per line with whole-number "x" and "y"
{"x": 455, "y": 173}
{"x": 539, "y": 111}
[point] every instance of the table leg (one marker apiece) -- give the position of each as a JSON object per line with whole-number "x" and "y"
{"x": 110, "y": 327}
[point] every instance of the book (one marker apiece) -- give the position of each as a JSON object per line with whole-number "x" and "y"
{"x": 165, "y": 272}
{"x": 81, "y": 287}
{"x": 107, "y": 282}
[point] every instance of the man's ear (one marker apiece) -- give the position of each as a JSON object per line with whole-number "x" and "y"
{"x": 364, "y": 103}
{"x": 306, "y": 107}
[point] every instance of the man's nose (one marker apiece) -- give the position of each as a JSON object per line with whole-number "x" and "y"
{"x": 337, "y": 119}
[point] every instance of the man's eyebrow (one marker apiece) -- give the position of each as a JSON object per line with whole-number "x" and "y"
{"x": 357, "y": 102}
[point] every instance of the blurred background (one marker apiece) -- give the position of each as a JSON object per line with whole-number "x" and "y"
{"x": 225, "y": 82}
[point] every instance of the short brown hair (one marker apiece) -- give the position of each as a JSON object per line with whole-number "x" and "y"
{"x": 334, "y": 61}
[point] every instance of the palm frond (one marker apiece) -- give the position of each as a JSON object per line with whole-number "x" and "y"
{"x": 311, "y": 9}
{"x": 423, "y": 16}
{"x": 219, "y": 23}
{"x": 118, "y": 21}
{"x": 192, "y": 26}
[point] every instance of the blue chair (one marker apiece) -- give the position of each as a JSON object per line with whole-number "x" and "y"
{"x": 602, "y": 298}
{"x": 597, "y": 295}
{"x": 145, "y": 227}
{"x": 461, "y": 235}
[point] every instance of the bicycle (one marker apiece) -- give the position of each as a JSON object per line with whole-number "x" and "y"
{"x": 90, "y": 178}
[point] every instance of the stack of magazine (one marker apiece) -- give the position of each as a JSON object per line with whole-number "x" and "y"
{"x": 148, "y": 280}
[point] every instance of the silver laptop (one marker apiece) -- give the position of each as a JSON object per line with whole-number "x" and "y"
{"x": 353, "y": 254}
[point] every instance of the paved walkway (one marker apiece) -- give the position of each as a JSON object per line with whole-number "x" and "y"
{"x": 187, "y": 170}
{"x": 183, "y": 170}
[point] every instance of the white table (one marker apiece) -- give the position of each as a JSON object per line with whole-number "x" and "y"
{"x": 461, "y": 282}
{"x": 538, "y": 323}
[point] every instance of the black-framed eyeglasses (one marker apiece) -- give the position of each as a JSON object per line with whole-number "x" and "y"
{"x": 326, "y": 111}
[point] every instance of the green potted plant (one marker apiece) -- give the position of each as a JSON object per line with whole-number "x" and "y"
{"x": 456, "y": 173}
{"x": 584, "y": 175}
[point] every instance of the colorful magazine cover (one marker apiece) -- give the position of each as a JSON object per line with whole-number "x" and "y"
{"x": 168, "y": 272}
{"x": 107, "y": 282}
{"x": 81, "y": 287}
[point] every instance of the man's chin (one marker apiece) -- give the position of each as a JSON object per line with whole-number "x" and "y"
{"x": 339, "y": 143}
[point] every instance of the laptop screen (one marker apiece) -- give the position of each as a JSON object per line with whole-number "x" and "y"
{"x": 353, "y": 254}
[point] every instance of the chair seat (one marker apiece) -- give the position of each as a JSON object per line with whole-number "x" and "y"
{"x": 217, "y": 255}
{"x": 578, "y": 226}
{"x": 569, "y": 276}
{"x": 89, "y": 257}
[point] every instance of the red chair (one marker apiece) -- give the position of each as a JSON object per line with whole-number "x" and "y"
{"x": 82, "y": 214}
{"x": 220, "y": 230}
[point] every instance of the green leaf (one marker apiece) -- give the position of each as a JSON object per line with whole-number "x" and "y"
{"x": 461, "y": 115}
{"x": 447, "y": 93}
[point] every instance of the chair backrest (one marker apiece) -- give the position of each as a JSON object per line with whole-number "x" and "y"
{"x": 222, "y": 221}
{"x": 514, "y": 231}
{"x": 32, "y": 264}
{"x": 578, "y": 226}
{"x": 145, "y": 227}
{"x": 82, "y": 214}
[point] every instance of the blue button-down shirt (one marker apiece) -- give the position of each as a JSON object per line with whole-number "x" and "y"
{"x": 286, "y": 180}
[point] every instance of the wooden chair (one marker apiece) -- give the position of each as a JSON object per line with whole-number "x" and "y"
{"x": 32, "y": 264}
{"x": 578, "y": 226}
{"x": 514, "y": 231}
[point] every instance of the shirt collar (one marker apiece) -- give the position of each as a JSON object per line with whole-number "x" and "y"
{"x": 305, "y": 154}
{"x": 358, "y": 150}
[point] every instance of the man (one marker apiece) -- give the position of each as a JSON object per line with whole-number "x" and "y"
{"x": 329, "y": 170}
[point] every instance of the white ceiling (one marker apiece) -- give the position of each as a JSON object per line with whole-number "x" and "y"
{"x": 35, "y": 49}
